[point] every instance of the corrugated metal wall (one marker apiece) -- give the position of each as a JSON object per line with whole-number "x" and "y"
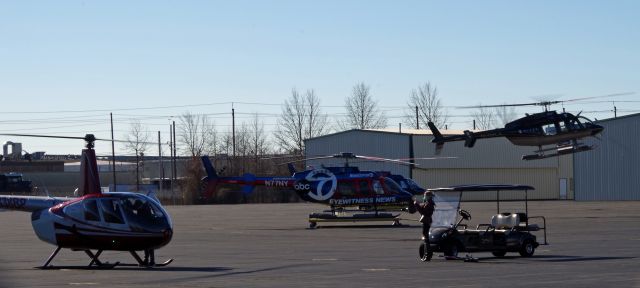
{"x": 362, "y": 142}
{"x": 610, "y": 172}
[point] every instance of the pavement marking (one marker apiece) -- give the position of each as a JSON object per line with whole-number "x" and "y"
{"x": 375, "y": 269}
{"x": 324, "y": 259}
{"x": 83, "y": 283}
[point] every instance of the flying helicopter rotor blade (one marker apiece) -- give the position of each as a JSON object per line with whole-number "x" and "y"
{"x": 601, "y": 96}
{"x": 428, "y": 158}
{"x": 500, "y": 105}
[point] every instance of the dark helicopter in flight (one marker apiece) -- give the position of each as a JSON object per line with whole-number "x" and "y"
{"x": 342, "y": 188}
{"x": 115, "y": 221}
{"x": 540, "y": 129}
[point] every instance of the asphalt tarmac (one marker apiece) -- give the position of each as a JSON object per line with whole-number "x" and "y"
{"x": 592, "y": 244}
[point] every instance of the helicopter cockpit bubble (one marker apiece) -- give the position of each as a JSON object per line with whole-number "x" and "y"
{"x": 144, "y": 214}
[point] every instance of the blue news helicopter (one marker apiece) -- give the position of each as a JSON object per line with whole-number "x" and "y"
{"x": 340, "y": 187}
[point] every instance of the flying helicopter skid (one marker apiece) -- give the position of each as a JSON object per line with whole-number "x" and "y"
{"x": 561, "y": 150}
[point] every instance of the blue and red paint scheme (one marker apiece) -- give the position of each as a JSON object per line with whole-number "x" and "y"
{"x": 338, "y": 187}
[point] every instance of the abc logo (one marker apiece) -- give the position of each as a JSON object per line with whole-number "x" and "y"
{"x": 302, "y": 186}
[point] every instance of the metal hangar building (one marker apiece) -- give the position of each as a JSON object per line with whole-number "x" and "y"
{"x": 608, "y": 172}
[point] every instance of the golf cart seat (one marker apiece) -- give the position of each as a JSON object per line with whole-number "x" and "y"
{"x": 508, "y": 221}
{"x": 505, "y": 221}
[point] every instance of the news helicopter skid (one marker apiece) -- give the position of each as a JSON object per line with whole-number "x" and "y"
{"x": 95, "y": 220}
{"x": 365, "y": 195}
{"x": 562, "y": 130}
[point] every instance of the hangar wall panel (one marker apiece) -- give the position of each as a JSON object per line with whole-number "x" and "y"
{"x": 362, "y": 142}
{"x": 544, "y": 180}
{"x": 611, "y": 171}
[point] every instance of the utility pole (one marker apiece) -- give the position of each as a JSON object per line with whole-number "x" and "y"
{"x": 175, "y": 152}
{"x": 233, "y": 129}
{"x": 400, "y": 127}
{"x": 160, "y": 168}
{"x": 173, "y": 200}
{"x": 615, "y": 110}
{"x": 113, "y": 153}
{"x": 137, "y": 171}
{"x": 417, "y": 118}
{"x": 474, "y": 124}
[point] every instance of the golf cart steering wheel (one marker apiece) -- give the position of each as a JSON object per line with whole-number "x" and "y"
{"x": 465, "y": 214}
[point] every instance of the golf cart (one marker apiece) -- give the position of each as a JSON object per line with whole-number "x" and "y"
{"x": 507, "y": 231}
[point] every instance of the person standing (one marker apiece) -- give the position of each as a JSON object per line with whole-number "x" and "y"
{"x": 426, "y": 209}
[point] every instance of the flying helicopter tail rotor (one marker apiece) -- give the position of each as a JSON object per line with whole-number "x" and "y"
{"x": 470, "y": 139}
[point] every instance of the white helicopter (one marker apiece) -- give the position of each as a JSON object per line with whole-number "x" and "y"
{"x": 116, "y": 221}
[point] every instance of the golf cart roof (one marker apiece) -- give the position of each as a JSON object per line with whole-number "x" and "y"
{"x": 482, "y": 187}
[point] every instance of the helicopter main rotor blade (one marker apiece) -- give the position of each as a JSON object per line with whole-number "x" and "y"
{"x": 547, "y": 103}
{"x": 428, "y": 158}
{"x": 385, "y": 160}
{"x": 63, "y": 137}
{"x": 601, "y": 96}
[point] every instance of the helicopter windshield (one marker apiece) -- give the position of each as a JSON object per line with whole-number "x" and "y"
{"x": 143, "y": 214}
{"x": 392, "y": 186}
{"x": 585, "y": 119}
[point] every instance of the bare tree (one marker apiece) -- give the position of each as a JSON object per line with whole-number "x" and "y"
{"x": 506, "y": 114}
{"x": 362, "y": 110}
{"x": 195, "y": 132}
{"x": 301, "y": 119}
{"x": 137, "y": 139}
{"x": 316, "y": 121}
{"x": 429, "y": 107}
{"x": 213, "y": 146}
{"x": 484, "y": 117}
{"x": 257, "y": 137}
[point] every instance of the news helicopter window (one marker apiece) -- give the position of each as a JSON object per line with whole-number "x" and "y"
{"x": 365, "y": 189}
{"x": 346, "y": 188}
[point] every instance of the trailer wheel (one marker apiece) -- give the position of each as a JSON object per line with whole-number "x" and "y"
{"x": 424, "y": 253}
{"x": 312, "y": 225}
{"x": 527, "y": 249}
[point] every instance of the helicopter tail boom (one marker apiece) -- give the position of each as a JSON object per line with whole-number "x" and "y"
{"x": 29, "y": 203}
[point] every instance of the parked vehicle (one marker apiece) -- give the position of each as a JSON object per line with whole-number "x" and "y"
{"x": 507, "y": 231}
{"x": 13, "y": 182}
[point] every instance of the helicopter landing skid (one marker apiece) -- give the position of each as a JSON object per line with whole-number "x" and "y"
{"x": 564, "y": 150}
{"x": 364, "y": 217}
{"x": 94, "y": 264}
{"x": 142, "y": 263}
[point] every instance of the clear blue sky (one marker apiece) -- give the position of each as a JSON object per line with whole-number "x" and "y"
{"x": 113, "y": 55}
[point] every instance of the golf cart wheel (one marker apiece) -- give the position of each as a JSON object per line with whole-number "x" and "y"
{"x": 424, "y": 253}
{"x": 527, "y": 249}
{"x": 452, "y": 250}
{"x": 499, "y": 254}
